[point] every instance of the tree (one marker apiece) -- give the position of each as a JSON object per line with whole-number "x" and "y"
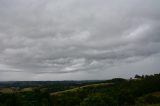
{"x": 148, "y": 99}
{"x": 137, "y": 76}
{"x": 98, "y": 100}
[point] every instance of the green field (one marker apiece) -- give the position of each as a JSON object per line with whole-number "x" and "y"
{"x": 144, "y": 91}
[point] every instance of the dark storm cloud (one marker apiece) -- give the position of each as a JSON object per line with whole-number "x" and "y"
{"x": 65, "y": 36}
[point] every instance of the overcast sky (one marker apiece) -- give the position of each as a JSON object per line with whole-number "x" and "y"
{"x": 78, "y": 39}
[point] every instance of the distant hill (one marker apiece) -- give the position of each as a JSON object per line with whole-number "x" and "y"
{"x": 139, "y": 91}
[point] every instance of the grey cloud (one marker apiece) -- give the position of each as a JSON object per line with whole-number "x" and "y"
{"x": 42, "y": 36}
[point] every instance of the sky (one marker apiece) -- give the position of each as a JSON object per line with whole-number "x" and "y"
{"x": 78, "y": 39}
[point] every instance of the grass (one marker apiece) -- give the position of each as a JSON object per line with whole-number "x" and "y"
{"x": 156, "y": 94}
{"x": 77, "y": 88}
{"x": 7, "y": 90}
{"x": 26, "y": 90}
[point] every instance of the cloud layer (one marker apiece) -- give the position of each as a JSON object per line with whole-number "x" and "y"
{"x": 66, "y": 36}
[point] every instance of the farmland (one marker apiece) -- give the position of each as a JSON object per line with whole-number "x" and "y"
{"x": 140, "y": 91}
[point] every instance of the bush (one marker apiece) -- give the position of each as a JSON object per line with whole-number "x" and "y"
{"x": 148, "y": 99}
{"x": 98, "y": 100}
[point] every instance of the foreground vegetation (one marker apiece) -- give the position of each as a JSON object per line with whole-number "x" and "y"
{"x": 141, "y": 91}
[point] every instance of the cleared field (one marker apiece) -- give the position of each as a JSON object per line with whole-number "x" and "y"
{"x": 13, "y": 90}
{"x": 7, "y": 90}
{"x": 156, "y": 94}
{"x": 26, "y": 90}
{"x": 77, "y": 88}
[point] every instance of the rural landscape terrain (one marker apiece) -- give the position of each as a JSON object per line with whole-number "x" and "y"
{"x": 140, "y": 91}
{"x": 79, "y": 52}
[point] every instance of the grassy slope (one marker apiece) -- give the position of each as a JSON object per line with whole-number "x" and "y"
{"x": 78, "y": 88}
